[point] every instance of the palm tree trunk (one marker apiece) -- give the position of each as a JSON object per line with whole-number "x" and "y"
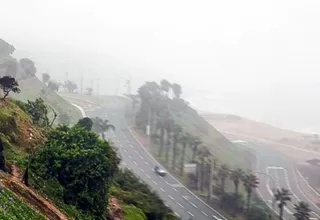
{"x": 202, "y": 175}
{"x": 236, "y": 188}
{"x": 103, "y": 135}
{"x": 182, "y": 159}
{"x": 194, "y": 153}
{"x": 280, "y": 212}
{"x": 167, "y": 148}
{"x": 248, "y": 202}
{"x": 161, "y": 141}
{"x": 174, "y": 154}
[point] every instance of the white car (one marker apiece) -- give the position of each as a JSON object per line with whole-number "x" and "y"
{"x": 159, "y": 171}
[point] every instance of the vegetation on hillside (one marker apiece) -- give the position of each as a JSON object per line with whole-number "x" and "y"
{"x": 71, "y": 165}
{"x": 165, "y": 117}
{"x": 24, "y": 71}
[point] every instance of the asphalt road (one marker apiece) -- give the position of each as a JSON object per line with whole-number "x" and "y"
{"x": 275, "y": 171}
{"x": 184, "y": 203}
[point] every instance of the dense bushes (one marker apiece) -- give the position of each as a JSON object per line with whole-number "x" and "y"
{"x": 83, "y": 165}
{"x": 129, "y": 190}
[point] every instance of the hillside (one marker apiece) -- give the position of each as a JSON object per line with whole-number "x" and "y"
{"x": 130, "y": 198}
{"x": 24, "y": 71}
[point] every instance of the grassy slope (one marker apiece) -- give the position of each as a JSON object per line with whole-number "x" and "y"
{"x": 219, "y": 146}
{"x": 13, "y": 208}
{"x": 31, "y": 89}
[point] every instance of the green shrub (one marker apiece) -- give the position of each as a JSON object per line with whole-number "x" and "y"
{"x": 130, "y": 212}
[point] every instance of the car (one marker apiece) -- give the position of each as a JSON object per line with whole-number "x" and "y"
{"x": 160, "y": 171}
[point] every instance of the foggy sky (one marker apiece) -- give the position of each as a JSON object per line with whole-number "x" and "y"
{"x": 227, "y": 55}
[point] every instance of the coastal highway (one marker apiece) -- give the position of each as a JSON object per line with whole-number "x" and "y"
{"x": 183, "y": 202}
{"x": 276, "y": 170}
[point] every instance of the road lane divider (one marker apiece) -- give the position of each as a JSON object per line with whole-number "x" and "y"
{"x": 155, "y": 182}
{"x": 180, "y": 205}
{"x": 135, "y": 162}
{"x": 171, "y": 197}
{"x": 204, "y": 213}
{"x": 190, "y": 213}
{"x": 162, "y": 190}
{"x": 193, "y": 205}
{"x": 148, "y": 176}
{"x": 142, "y": 170}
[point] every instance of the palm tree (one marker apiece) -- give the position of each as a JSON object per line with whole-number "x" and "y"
{"x": 202, "y": 154}
{"x": 185, "y": 140}
{"x": 177, "y": 133}
{"x": 236, "y": 176}
{"x": 302, "y": 211}
{"x": 102, "y": 126}
{"x": 165, "y": 86}
{"x": 282, "y": 197}
{"x": 176, "y": 88}
{"x": 223, "y": 174}
{"x": 169, "y": 130}
{"x": 195, "y": 145}
{"x": 250, "y": 182}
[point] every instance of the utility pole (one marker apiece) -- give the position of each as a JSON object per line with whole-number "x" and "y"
{"x": 81, "y": 84}
{"x": 98, "y": 87}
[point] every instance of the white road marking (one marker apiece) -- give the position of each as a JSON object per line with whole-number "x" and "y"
{"x": 135, "y": 162}
{"x": 167, "y": 182}
{"x": 176, "y": 185}
{"x": 136, "y": 151}
{"x": 124, "y": 163}
{"x": 162, "y": 190}
{"x": 128, "y": 141}
{"x": 193, "y": 205}
{"x": 177, "y": 215}
{"x": 129, "y": 156}
{"x": 148, "y": 176}
{"x": 142, "y": 170}
{"x": 141, "y": 157}
{"x": 170, "y": 197}
{"x": 161, "y": 177}
{"x": 204, "y": 213}
{"x": 216, "y": 217}
{"x": 185, "y": 197}
{"x": 125, "y": 150}
{"x": 131, "y": 145}
{"x": 190, "y": 213}
{"x": 180, "y": 205}
{"x": 175, "y": 189}
{"x": 146, "y": 163}
{"x": 155, "y": 182}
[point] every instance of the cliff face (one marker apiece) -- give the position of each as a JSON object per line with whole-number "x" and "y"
{"x": 114, "y": 209}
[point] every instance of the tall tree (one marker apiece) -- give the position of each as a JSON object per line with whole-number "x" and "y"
{"x": 195, "y": 144}
{"x": 282, "y": 197}
{"x": 86, "y": 123}
{"x": 28, "y": 66}
{"x": 11, "y": 67}
{"x": 102, "y": 126}
{"x": 223, "y": 174}
{"x": 177, "y": 134}
{"x": 250, "y": 182}
{"x": 236, "y": 176}
{"x": 45, "y": 78}
{"x": 203, "y": 153}
{"x": 302, "y": 211}
{"x": 70, "y": 86}
{"x": 169, "y": 130}
{"x": 176, "y": 88}
{"x": 8, "y": 84}
{"x": 165, "y": 86}
{"x": 185, "y": 141}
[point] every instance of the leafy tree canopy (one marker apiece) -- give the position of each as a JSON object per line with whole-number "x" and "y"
{"x": 28, "y": 66}
{"x": 8, "y": 84}
{"x": 82, "y": 163}
{"x": 86, "y": 123}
